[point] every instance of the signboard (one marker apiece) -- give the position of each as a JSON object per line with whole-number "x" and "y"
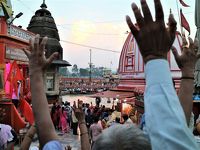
{"x": 16, "y": 54}
{"x": 19, "y": 33}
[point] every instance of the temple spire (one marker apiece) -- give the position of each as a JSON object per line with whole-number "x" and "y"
{"x": 43, "y": 5}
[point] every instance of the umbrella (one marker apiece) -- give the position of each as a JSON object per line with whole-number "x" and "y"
{"x": 197, "y": 67}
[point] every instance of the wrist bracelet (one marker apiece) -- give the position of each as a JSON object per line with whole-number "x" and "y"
{"x": 191, "y": 78}
{"x": 83, "y": 133}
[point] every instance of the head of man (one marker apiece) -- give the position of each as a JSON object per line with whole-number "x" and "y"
{"x": 122, "y": 137}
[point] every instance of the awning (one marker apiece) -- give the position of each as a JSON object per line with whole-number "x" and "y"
{"x": 61, "y": 63}
{"x": 113, "y": 94}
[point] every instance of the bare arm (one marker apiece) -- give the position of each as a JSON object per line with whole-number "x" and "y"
{"x": 28, "y": 138}
{"x": 37, "y": 64}
{"x": 85, "y": 144}
{"x": 186, "y": 62}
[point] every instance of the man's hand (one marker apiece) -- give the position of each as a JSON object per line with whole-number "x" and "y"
{"x": 187, "y": 60}
{"x": 80, "y": 115}
{"x": 153, "y": 38}
{"x": 35, "y": 54}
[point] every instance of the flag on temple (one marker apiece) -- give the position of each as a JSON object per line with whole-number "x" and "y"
{"x": 184, "y": 22}
{"x": 26, "y": 111}
{"x": 183, "y": 3}
{"x": 14, "y": 75}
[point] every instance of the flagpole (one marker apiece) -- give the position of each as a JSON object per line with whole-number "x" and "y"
{"x": 179, "y": 17}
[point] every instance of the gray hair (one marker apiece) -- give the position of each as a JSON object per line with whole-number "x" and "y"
{"x": 122, "y": 137}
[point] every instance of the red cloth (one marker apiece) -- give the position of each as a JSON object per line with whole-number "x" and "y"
{"x": 19, "y": 123}
{"x": 183, "y": 3}
{"x": 14, "y": 75}
{"x": 184, "y": 22}
{"x": 26, "y": 111}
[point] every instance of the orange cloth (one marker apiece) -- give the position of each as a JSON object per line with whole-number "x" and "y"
{"x": 19, "y": 123}
{"x": 26, "y": 111}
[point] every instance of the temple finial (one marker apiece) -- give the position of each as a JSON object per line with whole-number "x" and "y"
{"x": 170, "y": 11}
{"x": 43, "y": 5}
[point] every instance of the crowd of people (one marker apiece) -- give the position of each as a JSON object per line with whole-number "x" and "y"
{"x": 167, "y": 115}
{"x": 64, "y": 119}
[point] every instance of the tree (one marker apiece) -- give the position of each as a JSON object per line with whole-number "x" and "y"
{"x": 75, "y": 70}
{"x": 64, "y": 71}
{"x": 84, "y": 72}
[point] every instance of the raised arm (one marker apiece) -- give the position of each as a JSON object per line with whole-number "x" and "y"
{"x": 186, "y": 62}
{"x": 28, "y": 138}
{"x": 85, "y": 144}
{"x": 165, "y": 119}
{"x": 37, "y": 65}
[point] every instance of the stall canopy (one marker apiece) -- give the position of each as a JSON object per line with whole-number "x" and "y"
{"x": 114, "y": 94}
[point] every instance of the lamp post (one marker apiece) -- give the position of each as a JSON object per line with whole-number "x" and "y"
{"x": 17, "y": 16}
{"x": 90, "y": 65}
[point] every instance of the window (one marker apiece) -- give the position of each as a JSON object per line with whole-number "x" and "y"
{"x": 129, "y": 63}
{"x": 50, "y": 81}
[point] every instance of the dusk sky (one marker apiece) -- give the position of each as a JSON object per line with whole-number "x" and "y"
{"x": 94, "y": 23}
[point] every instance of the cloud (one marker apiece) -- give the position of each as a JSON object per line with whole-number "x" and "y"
{"x": 107, "y": 36}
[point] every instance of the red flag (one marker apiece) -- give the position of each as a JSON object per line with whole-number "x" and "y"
{"x": 26, "y": 110}
{"x": 184, "y": 22}
{"x": 183, "y": 3}
{"x": 19, "y": 123}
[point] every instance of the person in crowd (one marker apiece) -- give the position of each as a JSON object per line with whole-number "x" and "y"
{"x": 122, "y": 137}
{"x": 126, "y": 119}
{"x": 95, "y": 129}
{"x": 54, "y": 115}
{"x": 74, "y": 122}
{"x": 16, "y": 94}
{"x": 186, "y": 62}
{"x": 133, "y": 118}
{"x": 154, "y": 41}
{"x": 88, "y": 118}
{"x": 196, "y": 130}
{"x": 8, "y": 137}
{"x": 103, "y": 124}
{"x": 80, "y": 115}
{"x": 48, "y": 138}
{"x": 63, "y": 120}
{"x": 28, "y": 138}
{"x": 69, "y": 113}
{"x": 161, "y": 101}
{"x": 154, "y": 48}
{"x": 116, "y": 122}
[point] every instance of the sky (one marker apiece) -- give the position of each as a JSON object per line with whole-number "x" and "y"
{"x": 97, "y": 24}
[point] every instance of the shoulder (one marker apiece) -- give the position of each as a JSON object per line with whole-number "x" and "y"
{"x": 55, "y": 145}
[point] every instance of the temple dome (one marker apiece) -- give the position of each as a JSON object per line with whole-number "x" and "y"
{"x": 131, "y": 64}
{"x": 43, "y": 23}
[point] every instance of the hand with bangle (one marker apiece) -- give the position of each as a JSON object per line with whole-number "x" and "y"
{"x": 28, "y": 138}
{"x": 187, "y": 60}
{"x": 80, "y": 115}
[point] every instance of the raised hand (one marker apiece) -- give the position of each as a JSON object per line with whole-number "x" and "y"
{"x": 35, "y": 54}
{"x": 187, "y": 60}
{"x": 80, "y": 115}
{"x": 153, "y": 38}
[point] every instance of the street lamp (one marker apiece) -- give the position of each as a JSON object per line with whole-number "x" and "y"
{"x": 17, "y": 16}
